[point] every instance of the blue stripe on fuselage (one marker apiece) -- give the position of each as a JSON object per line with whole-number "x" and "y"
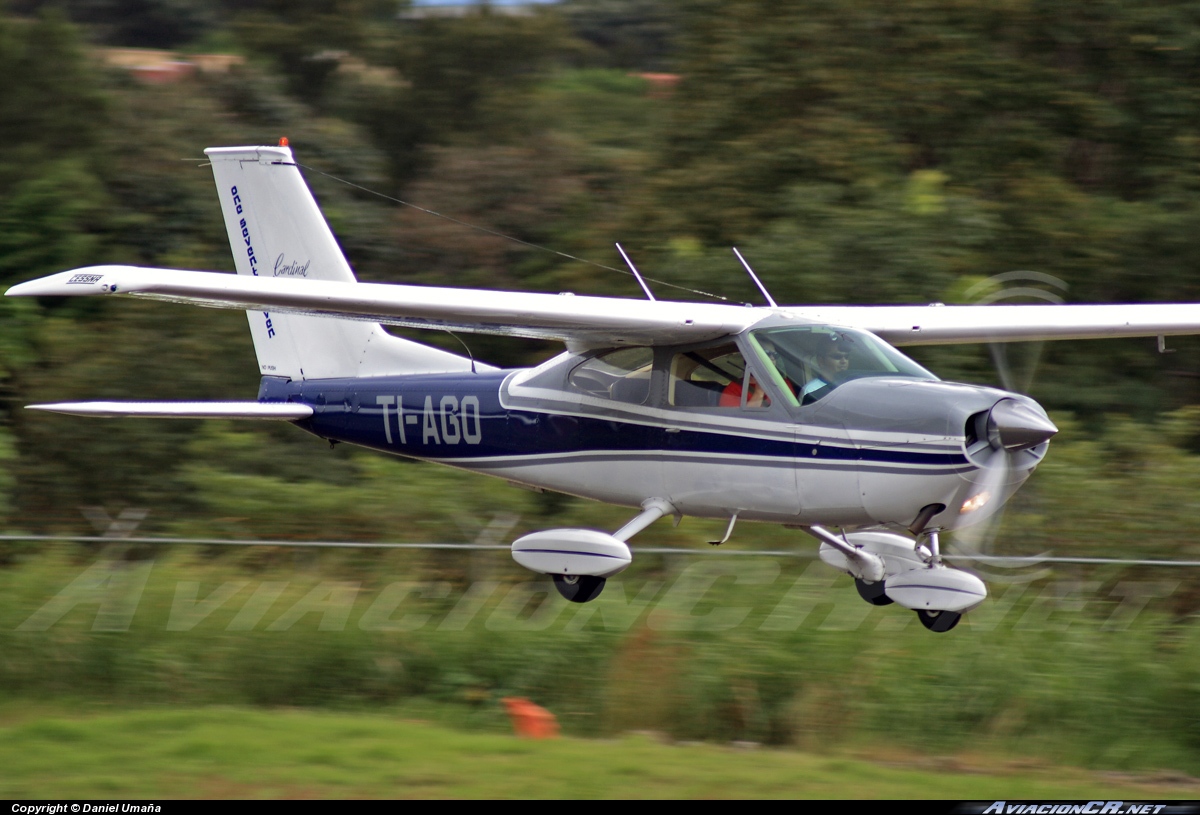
{"x": 458, "y": 416}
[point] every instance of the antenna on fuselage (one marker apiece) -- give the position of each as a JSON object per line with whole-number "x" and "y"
{"x": 636, "y": 273}
{"x": 754, "y": 277}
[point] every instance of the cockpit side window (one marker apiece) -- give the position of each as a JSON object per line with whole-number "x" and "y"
{"x": 622, "y": 375}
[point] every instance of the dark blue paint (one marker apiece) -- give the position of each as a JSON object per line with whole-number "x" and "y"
{"x": 346, "y": 410}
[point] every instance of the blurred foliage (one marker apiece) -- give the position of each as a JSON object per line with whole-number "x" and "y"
{"x": 306, "y": 39}
{"x": 8, "y": 455}
{"x": 439, "y": 81}
{"x": 135, "y": 23}
{"x": 628, "y": 34}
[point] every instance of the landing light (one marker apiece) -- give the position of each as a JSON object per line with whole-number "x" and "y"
{"x": 975, "y": 502}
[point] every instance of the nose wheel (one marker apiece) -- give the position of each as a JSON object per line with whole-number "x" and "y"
{"x": 939, "y": 621}
{"x": 578, "y": 588}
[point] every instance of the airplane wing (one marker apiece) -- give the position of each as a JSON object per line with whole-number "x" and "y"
{"x": 941, "y": 325}
{"x": 594, "y": 321}
{"x": 582, "y": 320}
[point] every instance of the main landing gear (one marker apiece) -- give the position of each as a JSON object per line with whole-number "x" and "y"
{"x": 579, "y": 588}
{"x": 581, "y": 560}
{"x": 939, "y": 621}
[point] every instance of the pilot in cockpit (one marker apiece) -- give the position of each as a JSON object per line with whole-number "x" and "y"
{"x": 830, "y": 360}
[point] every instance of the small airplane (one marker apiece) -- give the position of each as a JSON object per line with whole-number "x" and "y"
{"x": 806, "y": 416}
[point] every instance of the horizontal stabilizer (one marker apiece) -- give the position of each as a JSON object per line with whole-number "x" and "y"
{"x": 279, "y": 411}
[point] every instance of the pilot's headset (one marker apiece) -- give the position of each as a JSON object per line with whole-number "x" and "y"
{"x": 838, "y": 344}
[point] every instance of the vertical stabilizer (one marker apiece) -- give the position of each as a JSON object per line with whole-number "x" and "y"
{"x": 277, "y": 230}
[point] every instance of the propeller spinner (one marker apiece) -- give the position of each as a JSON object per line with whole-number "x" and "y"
{"x": 1014, "y": 426}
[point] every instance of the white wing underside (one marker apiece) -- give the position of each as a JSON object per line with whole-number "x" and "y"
{"x": 583, "y": 321}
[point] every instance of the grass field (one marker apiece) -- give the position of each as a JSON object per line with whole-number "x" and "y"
{"x": 780, "y": 653}
{"x": 59, "y": 750}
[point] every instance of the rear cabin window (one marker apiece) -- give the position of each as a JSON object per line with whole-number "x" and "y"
{"x": 622, "y": 375}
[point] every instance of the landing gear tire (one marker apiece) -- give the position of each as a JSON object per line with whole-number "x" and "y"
{"x": 578, "y": 588}
{"x": 872, "y": 592}
{"x": 939, "y": 621}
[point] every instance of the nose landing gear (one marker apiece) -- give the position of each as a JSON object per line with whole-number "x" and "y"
{"x": 891, "y": 568}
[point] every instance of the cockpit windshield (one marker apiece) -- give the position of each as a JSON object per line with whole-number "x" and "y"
{"x": 811, "y": 361}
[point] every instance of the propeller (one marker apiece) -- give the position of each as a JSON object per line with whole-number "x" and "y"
{"x": 1030, "y": 355}
{"x": 1011, "y": 429}
{"x": 1006, "y": 438}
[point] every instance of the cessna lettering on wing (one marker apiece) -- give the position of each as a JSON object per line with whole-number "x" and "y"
{"x": 450, "y": 421}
